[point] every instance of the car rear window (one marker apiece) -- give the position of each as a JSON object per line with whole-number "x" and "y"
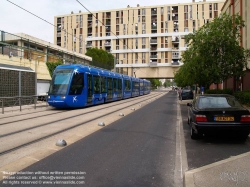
{"x": 217, "y": 102}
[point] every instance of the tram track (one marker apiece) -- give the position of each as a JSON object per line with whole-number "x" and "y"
{"x": 14, "y": 148}
{"x": 122, "y": 101}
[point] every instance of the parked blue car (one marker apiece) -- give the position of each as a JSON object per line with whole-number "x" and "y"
{"x": 186, "y": 94}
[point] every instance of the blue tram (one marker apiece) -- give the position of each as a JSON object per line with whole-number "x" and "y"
{"x": 75, "y": 86}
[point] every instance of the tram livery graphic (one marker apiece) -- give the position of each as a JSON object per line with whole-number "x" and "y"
{"x": 76, "y": 86}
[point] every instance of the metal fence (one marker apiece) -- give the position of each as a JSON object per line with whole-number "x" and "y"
{"x": 23, "y": 102}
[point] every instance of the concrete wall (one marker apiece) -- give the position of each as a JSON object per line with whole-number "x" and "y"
{"x": 42, "y": 71}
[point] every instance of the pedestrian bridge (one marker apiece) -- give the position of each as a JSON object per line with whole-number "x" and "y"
{"x": 151, "y": 70}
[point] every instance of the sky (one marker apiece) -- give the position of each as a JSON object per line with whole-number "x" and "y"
{"x": 13, "y": 19}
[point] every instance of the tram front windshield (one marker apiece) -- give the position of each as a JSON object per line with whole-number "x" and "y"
{"x": 60, "y": 82}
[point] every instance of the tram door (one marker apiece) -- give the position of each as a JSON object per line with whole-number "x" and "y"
{"x": 119, "y": 88}
{"x": 110, "y": 88}
{"x": 90, "y": 89}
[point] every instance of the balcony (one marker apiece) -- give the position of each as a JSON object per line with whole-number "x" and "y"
{"x": 153, "y": 41}
{"x": 107, "y": 44}
{"x": 153, "y": 56}
{"x": 175, "y": 39}
{"x": 153, "y": 64}
{"x": 154, "y": 11}
{"x": 153, "y": 27}
{"x": 88, "y": 45}
{"x": 175, "y": 48}
{"x": 175, "y": 63}
{"x": 175, "y": 56}
{"x": 153, "y": 48}
{"x": 89, "y": 24}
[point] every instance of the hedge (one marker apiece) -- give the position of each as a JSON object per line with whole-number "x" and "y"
{"x": 243, "y": 97}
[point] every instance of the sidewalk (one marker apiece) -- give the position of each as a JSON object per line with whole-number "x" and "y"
{"x": 39, "y": 105}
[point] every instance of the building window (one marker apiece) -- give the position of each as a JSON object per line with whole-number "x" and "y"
{"x": 210, "y": 14}
{"x": 186, "y": 8}
{"x": 143, "y": 41}
{"x": 143, "y": 26}
{"x": 143, "y": 12}
{"x": 169, "y": 17}
{"x": 215, "y": 6}
{"x": 185, "y": 16}
{"x": 143, "y": 55}
{"x": 168, "y": 9}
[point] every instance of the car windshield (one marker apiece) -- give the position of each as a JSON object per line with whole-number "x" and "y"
{"x": 185, "y": 91}
{"x": 217, "y": 102}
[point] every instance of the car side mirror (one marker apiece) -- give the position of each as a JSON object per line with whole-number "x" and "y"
{"x": 189, "y": 104}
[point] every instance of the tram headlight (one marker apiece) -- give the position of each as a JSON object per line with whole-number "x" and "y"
{"x": 63, "y": 97}
{"x": 48, "y": 97}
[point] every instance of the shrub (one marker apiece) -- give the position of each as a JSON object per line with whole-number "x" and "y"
{"x": 243, "y": 97}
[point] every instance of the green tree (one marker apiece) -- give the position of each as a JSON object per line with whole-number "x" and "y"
{"x": 214, "y": 53}
{"x": 167, "y": 83}
{"x": 52, "y": 66}
{"x": 101, "y": 58}
{"x": 155, "y": 83}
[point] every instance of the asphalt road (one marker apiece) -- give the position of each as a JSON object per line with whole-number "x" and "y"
{"x": 210, "y": 149}
{"x": 137, "y": 150}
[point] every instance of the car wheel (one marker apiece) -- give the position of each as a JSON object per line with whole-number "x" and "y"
{"x": 193, "y": 134}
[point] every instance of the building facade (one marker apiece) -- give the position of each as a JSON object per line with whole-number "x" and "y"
{"x": 25, "y": 51}
{"x": 146, "y": 41}
{"x": 241, "y": 7}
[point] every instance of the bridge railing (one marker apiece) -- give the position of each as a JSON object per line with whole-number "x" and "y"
{"x": 22, "y": 102}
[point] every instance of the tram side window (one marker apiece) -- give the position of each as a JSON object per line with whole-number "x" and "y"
{"x": 115, "y": 85}
{"x": 136, "y": 86}
{"x": 103, "y": 84}
{"x": 97, "y": 84}
{"x": 110, "y": 84}
{"x": 90, "y": 84}
{"x": 119, "y": 85}
{"x": 76, "y": 84}
{"x": 141, "y": 86}
{"x": 127, "y": 85}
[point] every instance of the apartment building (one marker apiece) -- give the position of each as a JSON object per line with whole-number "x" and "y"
{"x": 146, "y": 41}
{"x": 241, "y": 7}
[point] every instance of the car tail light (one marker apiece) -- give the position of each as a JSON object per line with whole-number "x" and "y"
{"x": 201, "y": 118}
{"x": 245, "y": 118}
